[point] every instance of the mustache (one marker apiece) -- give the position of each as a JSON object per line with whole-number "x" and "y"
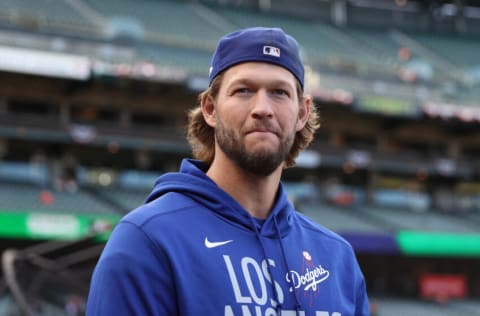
{"x": 264, "y": 126}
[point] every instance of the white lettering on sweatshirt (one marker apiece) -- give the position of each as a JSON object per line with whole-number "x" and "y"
{"x": 254, "y": 301}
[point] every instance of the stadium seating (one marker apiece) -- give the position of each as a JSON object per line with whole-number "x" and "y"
{"x": 8, "y": 307}
{"x": 194, "y": 62}
{"x": 322, "y": 44}
{"x": 378, "y": 42}
{"x": 402, "y": 307}
{"x": 370, "y": 219}
{"x": 21, "y": 196}
{"x": 340, "y": 219}
{"x": 179, "y": 37}
{"x": 25, "y": 187}
{"x": 127, "y": 198}
{"x": 43, "y": 13}
{"x": 358, "y": 51}
{"x": 420, "y": 221}
{"x": 459, "y": 51}
{"x": 164, "y": 21}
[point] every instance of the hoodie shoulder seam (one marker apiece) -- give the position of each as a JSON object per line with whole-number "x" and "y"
{"x": 145, "y": 234}
{"x": 318, "y": 228}
{"x": 165, "y": 212}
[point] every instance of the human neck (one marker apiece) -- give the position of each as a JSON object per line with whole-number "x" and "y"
{"x": 255, "y": 193}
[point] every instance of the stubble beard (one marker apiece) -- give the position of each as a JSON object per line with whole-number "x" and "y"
{"x": 260, "y": 162}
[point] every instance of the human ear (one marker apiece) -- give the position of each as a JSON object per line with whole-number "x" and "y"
{"x": 208, "y": 110}
{"x": 303, "y": 113}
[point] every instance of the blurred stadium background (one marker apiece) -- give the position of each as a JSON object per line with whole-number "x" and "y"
{"x": 93, "y": 96}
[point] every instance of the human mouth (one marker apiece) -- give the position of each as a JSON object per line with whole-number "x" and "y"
{"x": 262, "y": 133}
{"x": 262, "y": 129}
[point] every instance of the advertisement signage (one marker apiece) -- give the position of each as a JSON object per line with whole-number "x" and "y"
{"x": 387, "y": 105}
{"x": 44, "y": 226}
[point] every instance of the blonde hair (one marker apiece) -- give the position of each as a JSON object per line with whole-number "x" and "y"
{"x": 201, "y": 136}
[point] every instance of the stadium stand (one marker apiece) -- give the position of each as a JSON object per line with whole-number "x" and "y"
{"x": 458, "y": 51}
{"x": 399, "y": 307}
{"x": 8, "y": 307}
{"x": 129, "y": 199}
{"x": 45, "y": 16}
{"x": 378, "y": 42}
{"x": 161, "y": 21}
{"x": 24, "y": 196}
{"x": 385, "y": 167}
{"x": 342, "y": 219}
{"x": 193, "y": 61}
{"x": 323, "y": 44}
{"x": 420, "y": 221}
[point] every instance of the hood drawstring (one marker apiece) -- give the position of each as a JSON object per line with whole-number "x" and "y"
{"x": 278, "y": 308}
{"x": 274, "y": 290}
{"x": 285, "y": 262}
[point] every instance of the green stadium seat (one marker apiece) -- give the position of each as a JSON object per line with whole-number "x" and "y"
{"x": 45, "y": 13}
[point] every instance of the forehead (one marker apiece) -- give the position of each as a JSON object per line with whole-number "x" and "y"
{"x": 259, "y": 73}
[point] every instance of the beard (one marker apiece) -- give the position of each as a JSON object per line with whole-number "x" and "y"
{"x": 260, "y": 162}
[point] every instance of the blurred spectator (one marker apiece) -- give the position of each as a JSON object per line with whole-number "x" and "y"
{"x": 374, "y": 308}
{"x": 66, "y": 176}
{"x": 74, "y": 305}
{"x": 46, "y": 197}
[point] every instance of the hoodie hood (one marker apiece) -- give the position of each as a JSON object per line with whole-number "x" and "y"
{"x": 193, "y": 182}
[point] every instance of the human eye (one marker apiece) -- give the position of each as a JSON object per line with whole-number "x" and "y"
{"x": 280, "y": 93}
{"x": 241, "y": 91}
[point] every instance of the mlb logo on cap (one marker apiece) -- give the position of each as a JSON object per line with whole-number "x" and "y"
{"x": 272, "y": 51}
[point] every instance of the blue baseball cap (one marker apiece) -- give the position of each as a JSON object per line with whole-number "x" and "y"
{"x": 271, "y": 45}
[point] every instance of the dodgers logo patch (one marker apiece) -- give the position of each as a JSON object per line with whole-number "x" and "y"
{"x": 309, "y": 278}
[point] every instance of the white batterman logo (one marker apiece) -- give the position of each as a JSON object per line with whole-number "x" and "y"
{"x": 272, "y": 51}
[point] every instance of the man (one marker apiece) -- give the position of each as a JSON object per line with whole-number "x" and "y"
{"x": 220, "y": 237}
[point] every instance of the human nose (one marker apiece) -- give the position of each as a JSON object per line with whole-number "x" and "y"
{"x": 262, "y": 106}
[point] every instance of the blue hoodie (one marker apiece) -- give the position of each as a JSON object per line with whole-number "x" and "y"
{"x": 191, "y": 249}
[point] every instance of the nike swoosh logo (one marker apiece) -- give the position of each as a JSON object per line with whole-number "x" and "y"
{"x": 213, "y": 244}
